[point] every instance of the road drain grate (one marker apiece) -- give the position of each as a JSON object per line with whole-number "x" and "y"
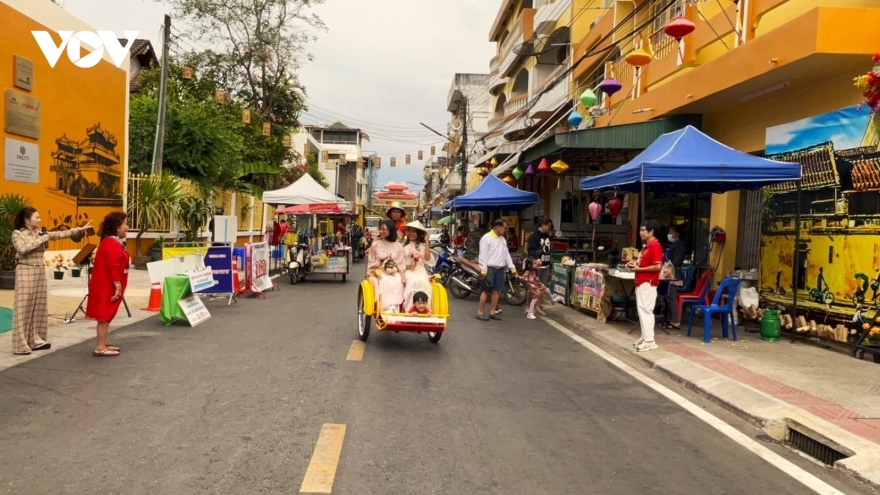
{"x": 814, "y": 448}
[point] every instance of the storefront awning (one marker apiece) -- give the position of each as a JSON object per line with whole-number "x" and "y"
{"x": 636, "y": 136}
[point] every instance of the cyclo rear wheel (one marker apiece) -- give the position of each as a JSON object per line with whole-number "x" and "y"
{"x": 364, "y": 319}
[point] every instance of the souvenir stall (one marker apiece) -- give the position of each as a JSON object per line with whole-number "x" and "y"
{"x": 315, "y": 250}
{"x": 684, "y": 161}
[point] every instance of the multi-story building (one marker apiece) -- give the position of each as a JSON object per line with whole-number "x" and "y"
{"x": 468, "y": 93}
{"x": 750, "y": 69}
{"x": 337, "y": 149}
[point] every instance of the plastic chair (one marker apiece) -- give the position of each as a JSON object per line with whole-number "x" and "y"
{"x": 726, "y": 311}
{"x": 688, "y": 273}
{"x": 698, "y": 296}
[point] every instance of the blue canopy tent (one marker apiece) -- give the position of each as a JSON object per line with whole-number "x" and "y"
{"x": 492, "y": 195}
{"x": 688, "y": 161}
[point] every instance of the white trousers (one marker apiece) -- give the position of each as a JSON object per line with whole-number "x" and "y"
{"x": 646, "y": 300}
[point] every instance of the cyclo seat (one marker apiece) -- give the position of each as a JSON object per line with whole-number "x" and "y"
{"x": 471, "y": 264}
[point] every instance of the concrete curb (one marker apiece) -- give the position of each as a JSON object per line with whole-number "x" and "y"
{"x": 772, "y": 415}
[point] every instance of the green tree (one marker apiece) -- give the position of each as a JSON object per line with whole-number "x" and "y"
{"x": 294, "y": 173}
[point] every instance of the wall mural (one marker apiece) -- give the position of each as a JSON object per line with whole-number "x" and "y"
{"x": 839, "y": 215}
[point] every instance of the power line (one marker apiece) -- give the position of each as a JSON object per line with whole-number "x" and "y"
{"x": 374, "y": 124}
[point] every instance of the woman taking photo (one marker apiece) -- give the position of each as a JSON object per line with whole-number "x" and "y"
{"x": 31, "y": 316}
{"x": 109, "y": 278}
{"x": 418, "y": 259}
{"x": 384, "y": 247}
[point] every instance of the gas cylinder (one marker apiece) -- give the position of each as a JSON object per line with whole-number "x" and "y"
{"x": 770, "y": 326}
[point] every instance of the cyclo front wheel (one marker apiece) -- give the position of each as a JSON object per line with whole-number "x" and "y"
{"x": 363, "y": 318}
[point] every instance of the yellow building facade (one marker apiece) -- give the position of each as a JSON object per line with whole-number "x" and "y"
{"x": 65, "y": 132}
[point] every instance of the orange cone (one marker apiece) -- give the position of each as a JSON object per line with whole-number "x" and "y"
{"x": 155, "y": 297}
{"x": 236, "y": 283}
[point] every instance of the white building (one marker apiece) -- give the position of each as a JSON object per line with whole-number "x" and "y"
{"x": 337, "y": 149}
{"x": 475, "y": 90}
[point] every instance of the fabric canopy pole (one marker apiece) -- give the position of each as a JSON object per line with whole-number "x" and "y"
{"x": 796, "y": 269}
{"x": 642, "y": 208}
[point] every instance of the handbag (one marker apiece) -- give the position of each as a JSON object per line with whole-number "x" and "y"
{"x": 667, "y": 270}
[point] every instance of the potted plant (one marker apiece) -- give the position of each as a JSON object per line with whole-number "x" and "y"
{"x": 59, "y": 267}
{"x": 151, "y": 202}
{"x": 156, "y": 249}
{"x": 75, "y": 270}
{"x": 10, "y": 204}
{"x": 193, "y": 213}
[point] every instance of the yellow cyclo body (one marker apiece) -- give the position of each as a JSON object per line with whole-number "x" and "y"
{"x": 434, "y": 324}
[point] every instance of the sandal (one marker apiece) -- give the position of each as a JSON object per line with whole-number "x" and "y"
{"x": 107, "y": 352}
{"x": 112, "y": 347}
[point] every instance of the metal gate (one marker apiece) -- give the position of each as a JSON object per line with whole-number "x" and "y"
{"x": 748, "y": 239}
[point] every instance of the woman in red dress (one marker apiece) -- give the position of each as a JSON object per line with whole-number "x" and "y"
{"x": 109, "y": 278}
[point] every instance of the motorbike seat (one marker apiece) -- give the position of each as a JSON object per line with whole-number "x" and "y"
{"x": 469, "y": 263}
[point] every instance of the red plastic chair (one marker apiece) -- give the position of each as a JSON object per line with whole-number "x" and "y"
{"x": 700, "y": 295}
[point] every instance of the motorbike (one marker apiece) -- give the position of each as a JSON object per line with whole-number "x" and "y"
{"x": 465, "y": 279}
{"x": 299, "y": 262}
{"x": 444, "y": 265}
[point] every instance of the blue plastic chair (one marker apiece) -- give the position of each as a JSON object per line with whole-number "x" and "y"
{"x": 726, "y": 311}
{"x": 683, "y": 303}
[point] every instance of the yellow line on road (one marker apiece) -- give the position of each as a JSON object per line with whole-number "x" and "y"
{"x": 356, "y": 351}
{"x": 322, "y": 468}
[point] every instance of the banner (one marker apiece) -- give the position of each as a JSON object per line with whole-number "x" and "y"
{"x": 219, "y": 260}
{"x": 177, "y": 252}
{"x": 334, "y": 264}
{"x": 194, "y": 309}
{"x": 257, "y": 262}
{"x": 201, "y": 279}
{"x": 560, "y": 281}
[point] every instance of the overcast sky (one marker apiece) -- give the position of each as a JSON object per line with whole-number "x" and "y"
{"x": 381, "y": 75}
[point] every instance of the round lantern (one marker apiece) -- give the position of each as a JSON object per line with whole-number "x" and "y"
{"x": 575, "y": 119}
{"x": 595, "y": 210}
{"x": 530, "y": 170}
{"x": 615, "y": 204}
{"x": 517, "y": 172}
{"x": 588, "y": 98}
{"x": 543, "y": 167}
{"x": 509, "y": 180}
{"x": 610, "y": 86}
{"x": 639, "y": 58}
{"x": 679, "y": 27}
{"x": 493, "y": 162}
{"x": 188, "y": 72}
{"x": 559, "y": 166}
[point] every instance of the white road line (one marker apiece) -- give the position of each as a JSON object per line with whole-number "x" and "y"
{"x": 775, "y": 460}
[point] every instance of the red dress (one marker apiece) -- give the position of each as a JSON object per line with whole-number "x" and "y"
{"x": 111, "y": 265}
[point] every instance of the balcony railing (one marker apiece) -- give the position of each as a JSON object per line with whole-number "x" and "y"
{"x": 516, "y": 104}
{"x": 549, "y": 12}
{"x": 513, "y": 39}
{"x": 495, "y": 63}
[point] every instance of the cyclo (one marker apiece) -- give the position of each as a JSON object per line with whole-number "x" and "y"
{"x": 391, "y": 315}
{"x": 434, "y": 324}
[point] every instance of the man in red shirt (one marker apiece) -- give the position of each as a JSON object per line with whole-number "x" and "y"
{"x": 647, "y": 277}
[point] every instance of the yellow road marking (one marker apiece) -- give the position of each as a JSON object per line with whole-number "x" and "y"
{"x": 356, "y": 351}
{"x": 322, "y": 468}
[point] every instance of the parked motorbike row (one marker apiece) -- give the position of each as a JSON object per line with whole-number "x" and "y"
{"x": 462, "y": 278}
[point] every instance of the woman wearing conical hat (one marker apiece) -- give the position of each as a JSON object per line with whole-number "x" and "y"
{"x": 397, "y": 214}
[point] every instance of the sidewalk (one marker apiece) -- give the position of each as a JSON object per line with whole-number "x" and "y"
{"x": 826, "y": 395}
{"x": 64, "y": 297}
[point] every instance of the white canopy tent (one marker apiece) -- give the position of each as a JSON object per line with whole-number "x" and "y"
{"x": 304, "y": 191}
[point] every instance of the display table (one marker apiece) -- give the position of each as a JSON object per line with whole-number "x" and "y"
{"x": 175, "y": 288}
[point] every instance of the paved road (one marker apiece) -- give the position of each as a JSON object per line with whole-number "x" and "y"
{"x": 235, "y": 406}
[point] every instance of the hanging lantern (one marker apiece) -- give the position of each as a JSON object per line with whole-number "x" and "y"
{"x": 493, "y": 162}
{"x": 188, "y": 73}
{"x": 595, "y": 209}
{"x": 610, "y": 86}
{"x": 360, "y": 163}
{"x": 509, "y": 180}
{"x": 530, "y": 170}
{"x": 544, "y": 166}
{"x": 575, "y": 119}
{"x": 433, "y": 149}
{"x": 307, "y": 149}
{"x": 517, "y": 172}
{"x": 559, "y": 166}
{"x": 615, "y": 204}
{"x": 421, "y": 153}
{"x": 588, "y": 98}
{"x": 679, "y": 27}
{"x": 246, "y": 117}
{"x": 393, "y": 161}
{"x": 220, "y": 95}
{"x": 267, "y": 129}
{"x": 639, "y": 58}
{"x": 287, "y": 141}
{"x": 407, "y": 159}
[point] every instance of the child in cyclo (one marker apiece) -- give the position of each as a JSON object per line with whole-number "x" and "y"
{"x": 420, "y": 304}
{"x": 390, "y": 285}
{"x": 535, "y": 287}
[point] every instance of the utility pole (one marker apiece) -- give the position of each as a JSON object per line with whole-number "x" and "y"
{"x": 464, "y": 153}
{"x": 159, "y": 143}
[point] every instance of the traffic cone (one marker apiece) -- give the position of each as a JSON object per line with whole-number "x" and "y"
{"x": 236, "y": 283}
{"x": 155, "y": 297}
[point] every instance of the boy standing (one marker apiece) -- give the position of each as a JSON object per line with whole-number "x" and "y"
{"x": 647, "y": 277}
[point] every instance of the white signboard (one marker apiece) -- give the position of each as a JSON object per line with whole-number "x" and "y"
{"x": 201, "y": 279}
{"x": 335, "y": 264}
{"x": 260, "y": 266}
{"x": 225, "y": 229}
{"x": 195, "y": 310}
{"x": 21, "y": 161}
{"x": 158, "y": 270}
